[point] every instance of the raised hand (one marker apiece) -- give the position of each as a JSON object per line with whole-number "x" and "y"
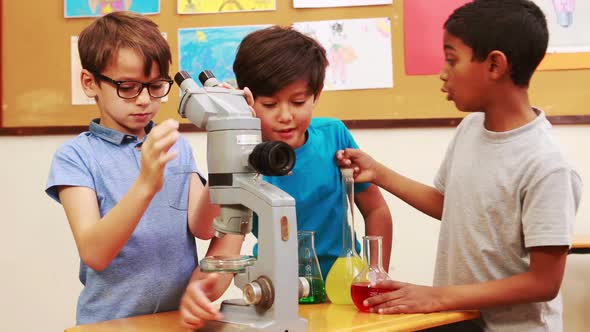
{"x": 155, "y": 153}
{"x": 364, "y": 166}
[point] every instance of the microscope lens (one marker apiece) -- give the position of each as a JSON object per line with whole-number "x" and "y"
{"x": 272, "y": 158}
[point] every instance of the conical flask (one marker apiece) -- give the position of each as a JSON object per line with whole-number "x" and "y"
{"x": 348, "y": 264}
{"x": 371, "y": 273}
{"x": 309, "y": 268}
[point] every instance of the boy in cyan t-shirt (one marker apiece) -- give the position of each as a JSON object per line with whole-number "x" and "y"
{"x": 285, "y": 71}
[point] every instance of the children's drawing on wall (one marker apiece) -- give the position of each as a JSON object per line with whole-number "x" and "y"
{"x": 569, "y": 23}
{"x": 337, "y": 3}
{"x": 340, "y": 54}
{"x": 564, "y": 10}
{"x": 359, "y": 52}
{"x": 92, "y": 8}
{"x": 103, "y": 7}
{"x": 212, "y": 49}
{"x": 222, "y": 6}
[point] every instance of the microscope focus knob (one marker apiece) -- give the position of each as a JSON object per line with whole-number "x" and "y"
{"x": 259, "y": 292}
{"x": 252, "y": 293}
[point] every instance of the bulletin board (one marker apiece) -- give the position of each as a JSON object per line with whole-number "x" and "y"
{"x": 36, "y": 73}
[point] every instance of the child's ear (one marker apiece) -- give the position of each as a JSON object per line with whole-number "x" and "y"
{"x": 498, "y": 64}
{"x": 88, "y": 83}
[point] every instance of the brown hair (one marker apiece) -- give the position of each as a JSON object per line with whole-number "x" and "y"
{"x": 101, "y": 40}
{"x": 270, "y": 59}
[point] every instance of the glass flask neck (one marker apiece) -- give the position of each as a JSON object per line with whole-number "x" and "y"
{"x": 309, "y": 265}
{"x": 306, "y": 239}
{"x": 348, "y": 235}
{"x": 372, "y": 252}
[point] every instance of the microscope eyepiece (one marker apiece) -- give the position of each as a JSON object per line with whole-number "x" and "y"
{"x": 272, "y": 158}
{"x": 208, "y": 79}
{"x": 181, "y": 76}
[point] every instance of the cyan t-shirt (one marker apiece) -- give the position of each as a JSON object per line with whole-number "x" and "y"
{"x": 315, "y": 183}
{"x": 152, "y": 270}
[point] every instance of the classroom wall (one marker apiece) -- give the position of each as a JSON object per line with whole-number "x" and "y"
{"x": 40, "y": 264}
{"x": 46, "y": 99}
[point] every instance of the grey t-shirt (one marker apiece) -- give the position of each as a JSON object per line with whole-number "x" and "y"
{"x": 504, "y": 192}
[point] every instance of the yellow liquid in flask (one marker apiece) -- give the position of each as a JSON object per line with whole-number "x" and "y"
{"x": 340, "y": 278}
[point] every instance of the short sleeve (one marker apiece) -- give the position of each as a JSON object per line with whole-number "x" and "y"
{"x": 68, "y": 168}
{"x": 549, "y": 208}
{"x": 190, "y": 162}
{"x": 440, "y": 179}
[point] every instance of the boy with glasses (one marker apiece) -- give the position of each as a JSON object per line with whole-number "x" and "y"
{"x": 131, "y": 190}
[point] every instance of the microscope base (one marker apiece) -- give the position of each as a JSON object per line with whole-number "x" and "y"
{"x": 240, "y": 317}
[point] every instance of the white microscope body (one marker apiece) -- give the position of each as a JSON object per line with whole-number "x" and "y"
{"x": 235, "y": 157}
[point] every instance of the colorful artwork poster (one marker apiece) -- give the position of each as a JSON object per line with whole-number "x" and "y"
{"x": 568, "y": 22}
{"x": 359, "y": 52}
{"x": 338, "y": 3}
{"x": 223, "y": 6}
{"x": 78, "y": 95}
{"x": 423, "y": 34}
{"x": 569, "y": 25}
{"x": 93, "y": 8}
{"x": 212, "y": 49}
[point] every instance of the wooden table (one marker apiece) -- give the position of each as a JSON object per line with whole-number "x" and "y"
{"x": 581, "y": 244}
{"x": 321, "y": 318}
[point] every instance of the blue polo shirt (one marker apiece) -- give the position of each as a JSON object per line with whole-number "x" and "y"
{"x": 152, "y": 270}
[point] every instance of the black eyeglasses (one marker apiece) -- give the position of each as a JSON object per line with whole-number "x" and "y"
{"x": 131, "y": 89}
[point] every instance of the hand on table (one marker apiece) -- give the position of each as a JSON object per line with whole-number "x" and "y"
{"x": 404, "y": 298}
{"x": 195, "y": 306}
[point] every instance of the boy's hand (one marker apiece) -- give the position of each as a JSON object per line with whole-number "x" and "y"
{"x": 247, "y": 93}
{"x": 404, "y": 299}
{"x": 363, "y": 165}
{"x": 155, "y": 153}
{"x": 195, "y": 307}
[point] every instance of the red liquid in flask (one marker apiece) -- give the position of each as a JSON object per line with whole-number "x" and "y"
{"x": 363, "y": 290}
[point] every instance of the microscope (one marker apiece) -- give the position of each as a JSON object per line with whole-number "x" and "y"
{"x": 236, "y": 156}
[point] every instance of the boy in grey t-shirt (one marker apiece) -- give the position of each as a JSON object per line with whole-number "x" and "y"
{"x": 505, "y": 194}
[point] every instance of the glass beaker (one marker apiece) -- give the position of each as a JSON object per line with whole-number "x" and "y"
{"x": 309, "y": 268}
{"x": 348, "y": 264}
{"x": 371, "y": 273}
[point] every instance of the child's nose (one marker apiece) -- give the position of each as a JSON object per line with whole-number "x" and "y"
{"x": 144, "y": 97}
{"x": 443, "y": 75}
{"x": 285, "y": 114}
